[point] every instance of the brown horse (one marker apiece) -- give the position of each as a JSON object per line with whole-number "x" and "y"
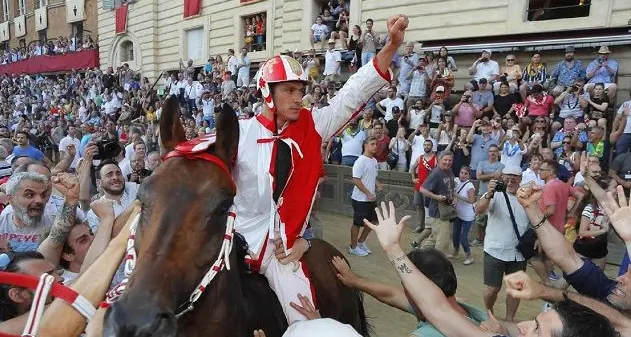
{"x": 185, "y": 205}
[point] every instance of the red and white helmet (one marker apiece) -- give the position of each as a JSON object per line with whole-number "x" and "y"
{"x": 278, "y": 69}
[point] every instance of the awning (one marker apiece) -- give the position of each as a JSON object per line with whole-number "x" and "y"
{"x": 53, "y": 63}
{"x": 531, "y": 42}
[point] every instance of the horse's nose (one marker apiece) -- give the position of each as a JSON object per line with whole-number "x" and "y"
{"x": 121, "y": 321}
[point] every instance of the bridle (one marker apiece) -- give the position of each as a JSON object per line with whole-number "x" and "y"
{"x": 195, "y": 149}
{"x": 45, "y": 285}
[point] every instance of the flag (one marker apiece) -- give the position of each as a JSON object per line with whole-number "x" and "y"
{"x": 192, "y": 7}
{"x": 121, "y": 19}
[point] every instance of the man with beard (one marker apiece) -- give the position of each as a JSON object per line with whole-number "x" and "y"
{"x": 28, "y": 194}
{"x": 566, "y": 72}
{"x": 111, "y": 183}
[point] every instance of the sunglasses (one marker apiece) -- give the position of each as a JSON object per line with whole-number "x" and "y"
{"x": 5, "y": 260}
{"x": 510, "y": 60}
{"x": 539, "y": 121}
{"x": 568, "y": 143}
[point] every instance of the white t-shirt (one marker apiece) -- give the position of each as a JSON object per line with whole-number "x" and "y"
{"x": 353, "y": 146}
{"x": 365, "y": 169}
{"x": 23, "y": 239}
{"x": 417, "y": 147}
{"x": 331, "y": 59}
{"x": 511, "y": 154}
{"x": 464, "y": 210}
{"x": 416, "y": 118}
{"x": 63, "y": 146}
{"x": 319, "y": 30}
{"x": 486, "y": 70}
{"x": 208, "y": 107}
{"x": 69, "y": 277}
{"x": 399, "y": 147}
{"x": 627, "y": 104}
{"x": 530, "y": 175}
{"x": 388, "y": 103}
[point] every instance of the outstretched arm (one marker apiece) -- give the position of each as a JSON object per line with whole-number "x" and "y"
{"x": 426, "y": 295}
{"x": 551, "y": 240}
{"x": 362, "y": 85}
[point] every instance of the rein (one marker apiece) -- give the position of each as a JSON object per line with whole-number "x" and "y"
{"x": 195, "y": 149}
{"x": 45, "y": 286}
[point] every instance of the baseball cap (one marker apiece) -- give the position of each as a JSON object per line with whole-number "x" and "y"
{"x": 482, "y": 80}
{"x": 440, "y": 88}
{"x": 569, "y": 49}
{"x": 512, "y": 170}
{"x": 487, "y": 51}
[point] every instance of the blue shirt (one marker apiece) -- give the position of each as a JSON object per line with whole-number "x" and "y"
{"x": 589, "y": 280}
{"x": 28, "y": 151}
{"x": 602, "y": 74}
{"x": 566, "y": 75}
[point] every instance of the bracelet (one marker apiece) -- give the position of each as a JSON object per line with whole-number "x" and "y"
{"x": 543, "y": 220}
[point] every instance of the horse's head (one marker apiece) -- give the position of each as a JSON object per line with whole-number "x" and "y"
{"x": 185, "y": 205}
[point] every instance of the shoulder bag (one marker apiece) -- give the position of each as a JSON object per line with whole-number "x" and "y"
{"x": 526, "y": 245}
{"x": 393, "y": 157}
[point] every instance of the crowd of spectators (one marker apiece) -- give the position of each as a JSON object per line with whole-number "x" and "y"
{"x": 59, "y": 46}
{"x": 479, "y": 149}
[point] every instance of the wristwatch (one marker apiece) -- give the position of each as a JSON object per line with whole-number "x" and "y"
{"x": 309, "y": 243}
{"x": 487, "y": 196}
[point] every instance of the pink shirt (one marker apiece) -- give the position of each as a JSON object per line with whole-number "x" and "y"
{"x": 539, "y": 108}
{"x": 464, "y": 115}
{"x": 557, "y": 193}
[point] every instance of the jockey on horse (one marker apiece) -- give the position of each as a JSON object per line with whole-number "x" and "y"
{"x": 279, "y": 163}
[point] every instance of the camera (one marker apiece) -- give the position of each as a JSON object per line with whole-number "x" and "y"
{"x": 500, "y": 186}
{"x": 108, "y": 149}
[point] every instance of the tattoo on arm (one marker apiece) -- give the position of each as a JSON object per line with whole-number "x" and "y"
{"x": 63, "y": 224}
{"x": 404, "y": 269}
{"x": 398, "y": 259}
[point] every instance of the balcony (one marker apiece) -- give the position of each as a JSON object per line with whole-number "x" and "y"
{"x": 47, "y": 64}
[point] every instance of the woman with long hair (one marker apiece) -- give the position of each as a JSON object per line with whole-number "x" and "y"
{"x": 446, "y": 131}
{"x": 451, "y": 63}
{"x": 465, "y": 197}
{"x": 442, "y": 77}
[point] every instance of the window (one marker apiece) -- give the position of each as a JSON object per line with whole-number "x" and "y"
{"x": 195, "y": 43}
{"x": 4, "y": 46}
{"x": 77, "y": 30}
{"x": 254, "y": 29}
{"x": 541, "y": 10}
{"x": 127, "y": 51}
{"x": 5, "y": 10}
{"x": 20, "y": 7}
{"x": 22, "y": 43}
{"x": 41, "y": 3}
{"x": 42, "y": 36}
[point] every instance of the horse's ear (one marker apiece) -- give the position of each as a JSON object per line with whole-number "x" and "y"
{"x": 171, "y": 129}
{"x": 227, "y": 135}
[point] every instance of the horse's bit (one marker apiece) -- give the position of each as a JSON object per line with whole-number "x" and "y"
{"x": 195, "y": 149}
